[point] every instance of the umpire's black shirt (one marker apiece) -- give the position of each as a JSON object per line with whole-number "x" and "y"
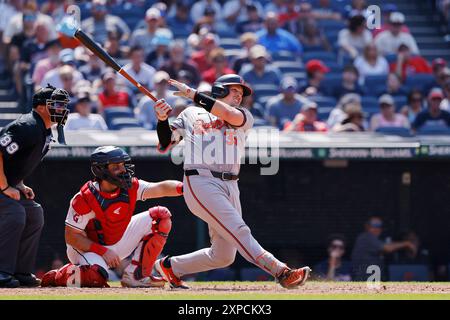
{"x": 23, "y": 144}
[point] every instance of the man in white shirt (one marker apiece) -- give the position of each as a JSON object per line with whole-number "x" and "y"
{"x": 388, "y": 41}
{"x": 83, "y": 118}
{"x": 138, "y": 69}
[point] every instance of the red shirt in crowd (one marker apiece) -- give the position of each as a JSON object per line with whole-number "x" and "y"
{"x": 201, "y": 61}
{"x": 415, "y": 64}
{"x": 302, "y": 126}
{"x": 211, "y": 74}
{"x": 119, "y": 99}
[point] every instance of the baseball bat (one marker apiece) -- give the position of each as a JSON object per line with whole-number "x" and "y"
{"x": 70, "y": 29}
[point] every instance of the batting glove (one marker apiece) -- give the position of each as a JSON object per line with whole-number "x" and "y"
{"x": 162, "y": 109}
{"x": 183, "y": 89}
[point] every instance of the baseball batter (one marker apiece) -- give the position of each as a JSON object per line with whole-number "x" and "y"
{"x": 214, "y": 132}
{"x": 101, "y": 230}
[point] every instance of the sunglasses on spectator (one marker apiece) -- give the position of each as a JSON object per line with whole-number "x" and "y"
{"x": 29, "y": 17}
{"x": 385, "y": 105}
{"x": 337, "y": 246}
{"x": 219, "y": 60}
{"x": 377, "y": 225}
{"x": 99, "y": 7}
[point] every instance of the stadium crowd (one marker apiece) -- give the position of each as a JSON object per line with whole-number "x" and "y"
{"x": 313, "y": 65}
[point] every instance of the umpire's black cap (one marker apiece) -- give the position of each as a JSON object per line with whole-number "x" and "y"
{"x": 42, "y": 95}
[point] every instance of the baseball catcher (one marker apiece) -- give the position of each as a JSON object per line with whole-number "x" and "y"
{"x": 101, "y": 230}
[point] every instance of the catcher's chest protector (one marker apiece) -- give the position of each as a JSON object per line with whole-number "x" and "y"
{"x": 112, "y": 212}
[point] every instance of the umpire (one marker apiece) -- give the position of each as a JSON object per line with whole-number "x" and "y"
{"x": 23, "y": 144}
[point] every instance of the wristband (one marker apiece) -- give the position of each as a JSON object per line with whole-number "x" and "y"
{"x": 98, "y": 249}
{"x": 204, "y": 101}
{"x": 180, "y": 188}
{"x": 7, "y": 186}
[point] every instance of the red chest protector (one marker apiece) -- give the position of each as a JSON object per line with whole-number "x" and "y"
{"x": 112, "y": 212}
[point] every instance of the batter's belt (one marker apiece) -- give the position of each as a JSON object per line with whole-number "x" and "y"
{"x": 225, "y": 176}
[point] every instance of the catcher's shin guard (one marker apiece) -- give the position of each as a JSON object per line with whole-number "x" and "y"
{"x": 152, "y": 247}
{"x": 72, "y": 275}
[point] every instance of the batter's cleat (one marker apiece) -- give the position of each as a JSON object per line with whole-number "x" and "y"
{"x": 293, "y": 278}
{"x": 168, "y": 275}
{"x": 128, "y": 280}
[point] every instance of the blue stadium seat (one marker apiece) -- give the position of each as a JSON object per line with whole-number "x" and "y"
{"x": 254, "y": 274}
{"x": 391, "y": 57}
{"x": 324, "y": 112}
{"x": 327, "y": 24}
{"x": 408, "y": 272}
{"x": 374, "y": 81}
{"x": 117, "y": 112}
{"x": 265, "y": 90}
{"x": 400, "y": 101}
{"x": 419, "y": 80}
{"x": 333, "y": 65}
{"x": 124, "y": 123}
{"x": 321, "y": 55}
{"x": 299, "y": 76}
{"x": 289, "y": 66}
{"x": 433, "y": 130}
{"x": 283, "y": 56}
{"x": 230, "y": 43}
{"x": 403, "y": 132}
{"x": 324, "y": 101}
{"x": 330, "y": 81}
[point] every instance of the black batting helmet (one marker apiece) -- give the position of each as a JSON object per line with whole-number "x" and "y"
{"x": 220, "y": 87}
{"x": 102, "y": 156}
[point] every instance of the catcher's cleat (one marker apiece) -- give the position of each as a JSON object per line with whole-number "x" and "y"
{"x": 169, "y": 276}
{"x": 293, "y": 278}
{"x": 128, "y": 280}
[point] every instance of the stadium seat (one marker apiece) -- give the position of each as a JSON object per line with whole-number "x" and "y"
{"x": 265, "y": 90}
{"x": 254, "y": 274}
{"x": 400, "y": 101}
{"x": 408, "y": 272}
{"x": 283, "y": 56}
{"x": 403, "y": 132}
{"x": 324, "y": 101}
{"x": 391, "y": 58}
{"x": 230, "y": 43}
{"x": 124, "y": 123}
{"x": 324, "y": 112}
{"x": 321, "y": 55}
{"x": 433, "y": 130}
{"x": 419, "y": 80}
{"x": 330, "y": 81}
{"x": 375, "y": 81}
{"x": 289, "y": 66}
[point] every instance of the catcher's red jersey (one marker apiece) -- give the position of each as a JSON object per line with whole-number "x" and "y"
{"x": 104, "y": 216}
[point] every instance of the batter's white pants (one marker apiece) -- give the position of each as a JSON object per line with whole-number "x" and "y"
{"x": 139, "y": 227}
{"x": 217, "y": 203}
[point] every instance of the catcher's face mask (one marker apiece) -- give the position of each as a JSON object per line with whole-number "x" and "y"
{"x": 57, "y": 108}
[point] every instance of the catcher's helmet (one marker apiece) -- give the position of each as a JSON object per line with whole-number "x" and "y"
{"x": 102, "y": 156}
{"x": 220, "y": 87}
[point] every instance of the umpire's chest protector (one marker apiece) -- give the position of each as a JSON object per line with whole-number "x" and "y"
{"x": 113, "y": 212}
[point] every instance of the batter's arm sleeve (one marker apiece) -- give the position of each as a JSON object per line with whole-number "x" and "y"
{"x": 164, "y": 134}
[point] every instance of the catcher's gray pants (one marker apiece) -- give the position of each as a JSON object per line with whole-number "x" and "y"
{"x": 21, "y": 223}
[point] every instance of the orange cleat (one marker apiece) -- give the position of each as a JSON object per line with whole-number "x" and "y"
{"x": 168, "y": 275}
{"x": 293, "y": 278}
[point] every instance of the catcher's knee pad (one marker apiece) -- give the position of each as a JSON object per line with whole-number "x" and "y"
{"x": 72, "y": 275}
{"x": 161, "y": 220}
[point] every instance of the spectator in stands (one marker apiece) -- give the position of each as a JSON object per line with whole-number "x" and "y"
{"x": 387, "y": 116}
{"x": 207, "y": 43}
{"x": 371, "y": 63}
{"x": 144, "y": 110}
{"x": 113, "y": 46}
{"x": 94, "y": 68}
{"x": 101, "y": 22}
{"x": 53, "y": 48}
{"x": 326, "y": 10}
{"x": 8, "y": 9}
{"x": 199, "y": 7}
{"x": 414, "y": 106}
{"x": 248, "y": 40}
{"x": 56, "y": 9}
{"x": 353, "y": 120}
{"x": 312, "y": 38}
{"x": 236, "y": 11}
{"x": 445, "y": 104}
{"x": 386, "y": 11}
{"x": 32, "y": 49}
{"x": 433, "y": 116}
{"x": 276, "y": 6}
{"x": 207, "y": 22}
{"x": 419, "y": 256}
{"x": 393, "y": 86}
{"x": 66, "y": 58}
{"x": 335, "y": 267}
{"x": 315, "y": 71}
{"x": 293, "y": 15}
{"x": 177, "y": 63}
{"x": 441, "y": 74}
{"x": 109, "y": 95}
{"x": 408, "y": 64}
{"x": 390, "y": 40}
{"x": 276, "y": 39}
{"x": 30, "y": 14}
{"x": 83, "y": 118}
{"x": 368, "y": 249}
{"x": 219, "y": 66}
{"x": 259, "y": 72}
{"x": 353, "y": 39}
{"x": 138, "y": 69}
{"x": 180, "y": 23}
{"x": 339, "y": 114}
{"x": 158, "y": 57}
{"x": 254, "y": 21}
{"x": 144, "y": 37}
{"x": 306, "y": 120}
{"x": 349, "y": 83}
{"x": 256, "y": 109}
{"x": 285, "y": 106}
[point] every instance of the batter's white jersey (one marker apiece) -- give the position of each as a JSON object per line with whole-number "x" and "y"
{"x": 210, "y": 142}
